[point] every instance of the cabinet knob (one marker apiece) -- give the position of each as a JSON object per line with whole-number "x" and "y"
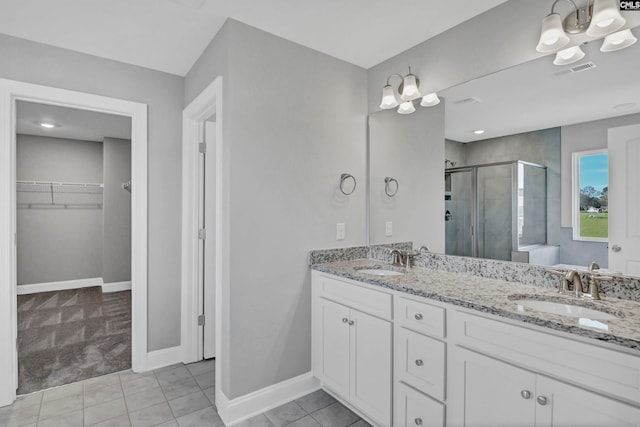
{"x": 418, "y": 316}
{"x": 526, "y": 394}
{"x": 419, "y": 362}
{"x": 542, "y": 400}
{"x": 345, "y": 320}
{"x": 418, "y": 421}
{"x": 351, "y": 322}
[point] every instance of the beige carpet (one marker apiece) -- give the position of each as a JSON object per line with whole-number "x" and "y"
{"x": 71, "y": 335}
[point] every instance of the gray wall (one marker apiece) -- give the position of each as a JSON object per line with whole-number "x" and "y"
{"x": 285, "y": 159}
{"x": 409, "y": 148}
{"x": 116, "y": 252}
{"x": 541, "y": 147}
{"x": 58, "y": 244}
{"x": 163, "y": 93}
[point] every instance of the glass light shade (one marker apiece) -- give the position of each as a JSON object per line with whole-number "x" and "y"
{"x": 430, "y": 99}
{"x": 606, "y": 18}
{"x": 388, "y": 98}
{"x": 552, "y": 36}
{"x": 410, "y": 88}
{"x": 406, "y": 108}
{"x": 568, "y": 56}
{"x": 617, "y": 41}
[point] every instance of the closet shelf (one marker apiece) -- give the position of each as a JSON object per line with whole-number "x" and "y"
{"x": 44, "y": 194}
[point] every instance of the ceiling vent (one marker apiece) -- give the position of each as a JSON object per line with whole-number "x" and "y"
{"x": 582, "y": 67}
{"x": 466, "y": 101}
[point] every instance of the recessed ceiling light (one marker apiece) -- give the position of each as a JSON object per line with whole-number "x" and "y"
{"x": 626, "y": 106}
{"x": 47, "y": 125}
{"x": 478, "y": 132}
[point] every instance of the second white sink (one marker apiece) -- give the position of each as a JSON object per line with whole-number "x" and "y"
{"x": 379, "y": 272}
{"x": 565, "y": 309}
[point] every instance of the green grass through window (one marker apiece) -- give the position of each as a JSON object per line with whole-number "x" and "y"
{"x": 594, "y": 224}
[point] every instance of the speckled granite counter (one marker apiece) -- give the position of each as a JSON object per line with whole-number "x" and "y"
{"x": 497, "y": 297}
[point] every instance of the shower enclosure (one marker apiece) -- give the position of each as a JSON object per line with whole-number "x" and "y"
{"x": 494, "y": 209}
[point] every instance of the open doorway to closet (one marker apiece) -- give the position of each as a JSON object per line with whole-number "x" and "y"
{"x": 73, "y": 218}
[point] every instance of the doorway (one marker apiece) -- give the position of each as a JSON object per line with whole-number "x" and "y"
{"x": 73, "y": 218}
{"x": 11, "y": 92}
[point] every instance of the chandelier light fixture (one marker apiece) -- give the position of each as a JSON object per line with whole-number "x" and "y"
{"x": 598, "y": 19}
{"x": 407, "y": 92}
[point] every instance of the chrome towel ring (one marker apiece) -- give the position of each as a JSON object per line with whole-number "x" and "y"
{"x": 391, "y": 186}
{"x": 346, "y": 187}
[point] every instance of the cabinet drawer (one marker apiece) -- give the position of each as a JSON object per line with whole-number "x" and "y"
{"x": 358, "y": 297}
{"x": 415, "y": 409}
{"x": 421, "y": 362}
{"x": 422, "y": 317}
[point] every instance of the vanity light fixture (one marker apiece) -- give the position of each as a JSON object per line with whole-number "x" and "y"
{"x": 408, "y": 91}
{"x": 569, "y": 56}
{"x": 599, "y": 18}
{"x": 617, "y": 41}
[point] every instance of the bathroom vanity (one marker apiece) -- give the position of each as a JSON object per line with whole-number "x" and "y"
{"x": 425, "y": 347}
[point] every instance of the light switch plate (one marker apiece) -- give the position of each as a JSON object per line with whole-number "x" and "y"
{"x": 388, "y": 228}
{"x": 340, "y": 231}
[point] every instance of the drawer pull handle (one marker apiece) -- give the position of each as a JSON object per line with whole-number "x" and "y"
{"x": 542, "y": 400}
{"x": 351, "y": 322}
{"x": 419, "y": 362}
{"x": 418, "y": 421}
{"x": 526, "y": 394}
{"x": 418, "y": 316}
{"x": 345, "y": 320}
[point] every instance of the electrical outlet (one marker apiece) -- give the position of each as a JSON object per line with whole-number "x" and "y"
{"x": 340, "y": 231}
{"x": 388, "y": 228}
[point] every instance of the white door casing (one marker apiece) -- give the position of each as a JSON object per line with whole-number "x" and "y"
{"x": 209, "y": 224}
{"x": 10, "y": 92}
{"x": 624, "y": 199}
{"x": 207, "y": 104}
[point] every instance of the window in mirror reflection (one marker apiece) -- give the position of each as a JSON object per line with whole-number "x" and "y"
{"x": 591, "y": 195}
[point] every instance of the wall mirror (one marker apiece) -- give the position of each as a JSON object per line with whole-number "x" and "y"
{"x": 497, "y": 183}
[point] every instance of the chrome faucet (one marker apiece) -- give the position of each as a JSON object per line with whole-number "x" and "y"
{"x": 397, "y": 257}
{"x": 573, "y": 277}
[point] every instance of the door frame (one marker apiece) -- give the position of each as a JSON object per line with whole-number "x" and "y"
{"x": 206, "y": 104}
{"x": 10, "y": 92}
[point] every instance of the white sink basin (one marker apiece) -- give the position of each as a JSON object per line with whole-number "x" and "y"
{"x": 380, "y": 272}
{"x": 564, "y": 309}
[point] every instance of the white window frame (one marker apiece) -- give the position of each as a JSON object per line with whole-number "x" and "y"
{"x": 575, "y": 194}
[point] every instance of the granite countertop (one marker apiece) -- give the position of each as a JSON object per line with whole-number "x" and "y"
{"x": 497, "y": 297}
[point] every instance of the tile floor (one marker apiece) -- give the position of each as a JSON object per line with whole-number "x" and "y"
{"x": 175, "y": 396}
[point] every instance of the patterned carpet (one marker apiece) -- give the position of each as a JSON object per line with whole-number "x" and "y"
{"x": 71, "y": 335}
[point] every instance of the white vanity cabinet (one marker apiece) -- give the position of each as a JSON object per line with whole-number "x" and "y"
{"x": 352, "y": 348}
{"x": 501, "y": 375}
{"x": 496, "y": 393}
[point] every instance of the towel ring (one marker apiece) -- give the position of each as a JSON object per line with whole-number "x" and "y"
{"x": 344, "y": 178}
{"x": 388, "y": 186}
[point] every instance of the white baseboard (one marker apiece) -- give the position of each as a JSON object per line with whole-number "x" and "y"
{"x": 59, "y": 286}
{"x": 165, "y": 357}
{"x": 116, "y": 286}
{"x": 241, "y": 408}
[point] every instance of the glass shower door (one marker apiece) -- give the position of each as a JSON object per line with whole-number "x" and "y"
{"x": 459, "y": 211}
{"x": 495, "y": 211}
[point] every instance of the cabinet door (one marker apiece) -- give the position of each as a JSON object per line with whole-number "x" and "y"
{"x": 371, "y": 381}
{"x": 561, "y": 405}
{"x": 414, "y": 409}
{"x": 496, "y": 393}
{"x": 334, "y": 347}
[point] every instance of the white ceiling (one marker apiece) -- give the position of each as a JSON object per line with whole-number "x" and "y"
{"x": 539, "y": 95}
{"x": 70, "y": 123}
{"x": 169, "y": 35}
